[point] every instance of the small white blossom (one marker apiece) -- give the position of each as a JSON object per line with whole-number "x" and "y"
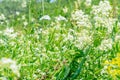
{"x": 88, "y": 2}
{"x": 10, "y": 33}
{"x": 80, "y": 19}
{"x": 103, "y": 9}
{"x": 45, "y": 17}
{"x": 106, "y": 45}
{"x": 102, "y": 16}
{"x": 17, "y": 13}
{"x": 65, "y": 9}
{"x": 60, "y": 18}
{"x": 10, "y": 64}
{"x": 1, "y": 41}
{"x": 24, "y": 4}
{"x": 23, "y": 17}
{"x": 2, "y": 17}
{"x": 25, "y": 23}
{"x": 117, "y": 38}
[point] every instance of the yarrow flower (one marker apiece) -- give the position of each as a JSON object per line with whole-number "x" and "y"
{"x": 88, "y": 2}
{"x": 45, "y": 17}
{"x": 9, "y": 63}
{"x": 102, "y": 15}
{"x": 2, "y": 17}
{"x": 17, "y": 13}
{"x": 80, "y": 19}
{"x": 9, "y": 32}
{"x": 117, "y": 38}
{"x": 24, "y": 4}
{"x": 65, "y": 9}
{"x": 60, "y": 18}
{"x": 106, "y": 45}
{"x": 83, "y": 39}
{"x": 80, "y": 40}
{"x": 25, "y": 23}
{"x": 103, "y": 9}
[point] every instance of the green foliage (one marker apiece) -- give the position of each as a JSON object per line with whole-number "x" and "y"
{"x": 57, "y": 49}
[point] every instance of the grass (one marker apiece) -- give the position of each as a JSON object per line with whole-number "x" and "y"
{"x": 59, "y": 49}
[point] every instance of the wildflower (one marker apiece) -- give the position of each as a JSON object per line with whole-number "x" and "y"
{"x": 103, "y": 9}
{"x": 23, "y": 17}
{"x": 102, "y": 15}
{"x": 82, "y": 39}
{"x": 1, "y": 41}
{"x": 117, "y": 38}
{"x": 10, "y": 33}
{"x": 106, "y": 45}
{"x": 113, "y": 66}
{"x": 60, "y": 18}
{"x": 80, "y": 19}
{"x": 45, "y": 17}
{"x": 88, "y": 2}
{"x": 17, "y": 13}
{"x": 6, "y": 62}
{"x": 2, "y": 17}
{"x": 25, "y": 23}
{"x": 24, "y": 4}
{"x": 3, "y": 78}
{"x": 65, "y": 9}
{"x": 33, "y": 19}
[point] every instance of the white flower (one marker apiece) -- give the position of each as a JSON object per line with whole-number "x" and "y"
{"x": 25, "y": 23}
{"x": 10, "y": 64}
{"x": 102, "y": 15}
{"x": 60, "y": 18}
{"x": 2, "y": 17}
{"x": 88, "y": 2}
{"x": 103, "y": 9}
{"x": 82, "y": 39}
{"x": 24, "y": 4}
{"x": 10, "y": 33}
{"x": 23, "y": 17}
{"x": 117, "y": 38}
{"x": 17, "y": 13}
{"x": 80, "y": 19}
{"x": 3, "y": 78}
{"x": 106, "y": 45}
{"x": 2, "y": 41}
{"x": 65, "y": 9}
{"x": 45, "y": 17}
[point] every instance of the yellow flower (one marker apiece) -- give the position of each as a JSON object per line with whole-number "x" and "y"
{"x": 113, "y": 66}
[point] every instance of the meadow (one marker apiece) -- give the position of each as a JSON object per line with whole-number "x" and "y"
{"x": 60, "y": 40}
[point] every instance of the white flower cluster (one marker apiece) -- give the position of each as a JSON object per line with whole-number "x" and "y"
{"x": 2, "y": 17}
{"x": 9, "y": 63}
{"x": 60, "y": 18}
{"x": 65, "y": 9}
{"x": 83, "y": 39}
{"x": 80, "y": 19}
{"x": 88, "y": 2}
{"x": 106, "y": 45}
{"x": 9, "y": 32}
{"x": 80, "y": 40}
{"x": 117, "y": 38}
{"x": 24, "y": 4}
{"x": 103, "y": 9}
{"x": 102, "y": 15}
{"x": 45, "y": 17}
